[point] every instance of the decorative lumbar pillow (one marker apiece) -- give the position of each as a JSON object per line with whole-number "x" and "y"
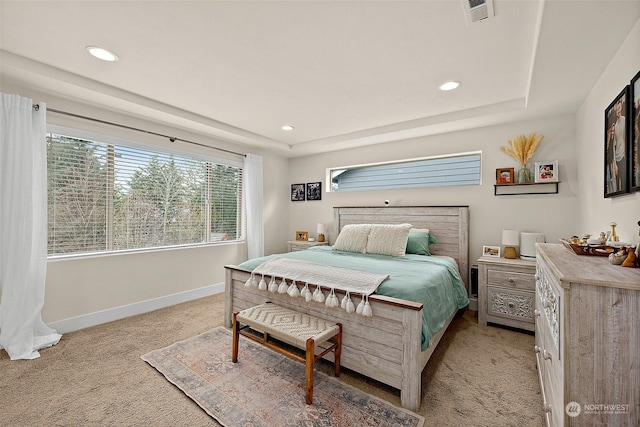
{"x": 353, "y": 238}
{"x": 388, "y": 239}
{"x": 419, "y": 240}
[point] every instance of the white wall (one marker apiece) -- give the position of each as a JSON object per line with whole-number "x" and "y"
{"x": 596, "y": 212}
{"x": 553, "y": 214}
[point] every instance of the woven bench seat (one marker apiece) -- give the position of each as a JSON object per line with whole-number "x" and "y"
{"x": 298, "y": 329}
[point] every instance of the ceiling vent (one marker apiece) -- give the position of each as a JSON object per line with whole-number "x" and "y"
{"x": 477, "y": 10}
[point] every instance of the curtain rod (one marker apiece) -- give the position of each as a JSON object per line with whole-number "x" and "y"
{"x": 170, "y": 138}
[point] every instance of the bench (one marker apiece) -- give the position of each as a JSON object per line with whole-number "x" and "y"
{"x": 298, "y": 329}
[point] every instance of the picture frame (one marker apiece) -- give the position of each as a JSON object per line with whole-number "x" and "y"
{"x": 491, "y": 251}
{"x": 505, "y": 176}
{"x": 634, "y": 156}
{"x": 314, "y": 191}
{"x": 546, "y": 171}
{"x": 297, "y": 192}
{"x": 302, "y": 236}
{"x": 616, "y": 145}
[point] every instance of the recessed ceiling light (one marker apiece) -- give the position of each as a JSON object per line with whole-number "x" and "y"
{"x": 449, "y": 85}
{"x": 101, "y": 53}
{"x": 287, "y": 127}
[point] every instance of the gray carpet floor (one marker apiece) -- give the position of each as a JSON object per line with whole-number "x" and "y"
{"x": 478, "y": 376}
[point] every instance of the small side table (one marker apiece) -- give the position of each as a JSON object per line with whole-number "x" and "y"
{"x": 301, "y": 245}
{"x": 506, "y": 292}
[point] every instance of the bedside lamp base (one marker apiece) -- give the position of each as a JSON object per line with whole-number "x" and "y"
{"x": 510, "y": 252}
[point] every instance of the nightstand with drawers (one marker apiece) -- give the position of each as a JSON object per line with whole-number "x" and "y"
{"x": 506, "y": 292}
{"x": 301, "y": 245}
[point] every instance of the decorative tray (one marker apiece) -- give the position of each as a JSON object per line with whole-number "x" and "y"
{"x": 599, "y": 250}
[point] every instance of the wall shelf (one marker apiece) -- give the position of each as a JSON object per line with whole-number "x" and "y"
{"x": 531, "y": 188}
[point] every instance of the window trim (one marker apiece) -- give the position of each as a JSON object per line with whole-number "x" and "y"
{"x": 87, "y": 255}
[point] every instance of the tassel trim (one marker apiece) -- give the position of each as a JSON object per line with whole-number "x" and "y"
{"x": 294, "y": 291}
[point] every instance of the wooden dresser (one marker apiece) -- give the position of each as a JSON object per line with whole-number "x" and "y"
{"x": 587, "y": 324}
{"x": 506, "y": 289}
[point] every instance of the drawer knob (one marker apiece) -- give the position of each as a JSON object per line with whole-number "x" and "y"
{"x": 511, "y": 280}
{"x": 511, "y": 304}
{"x": 546, "y": 355}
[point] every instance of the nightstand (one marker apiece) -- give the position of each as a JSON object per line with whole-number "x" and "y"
{"x": 506, "y": 292}
{"x": 301, "y": 245}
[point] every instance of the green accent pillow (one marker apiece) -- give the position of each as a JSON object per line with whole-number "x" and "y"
{"x": 419, "y": 241}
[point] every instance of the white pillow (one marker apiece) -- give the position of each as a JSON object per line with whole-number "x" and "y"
{"x": 388, "y": 239}
{"x": 353, "y": 238}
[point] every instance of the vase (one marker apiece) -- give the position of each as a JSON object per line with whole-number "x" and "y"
{"x": 524, "y": 175}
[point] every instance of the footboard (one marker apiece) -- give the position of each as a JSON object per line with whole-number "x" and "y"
{"x": 385, "y": 347}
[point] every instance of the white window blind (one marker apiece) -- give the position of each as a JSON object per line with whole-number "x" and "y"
{"x": 448, "y": 170}
{"x": 112, "y": 197}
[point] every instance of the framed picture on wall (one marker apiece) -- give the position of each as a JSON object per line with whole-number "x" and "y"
{"x": 546, "y": 171}
{"x": 297, "y": 192}
{"x": 616, "y": 145}
{"x": 314, "y": 191}
{"x": 635, "y": 133}
{"x": 504, "y": 176}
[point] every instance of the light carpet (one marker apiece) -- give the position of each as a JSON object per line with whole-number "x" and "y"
{"x": 266, "y": 388}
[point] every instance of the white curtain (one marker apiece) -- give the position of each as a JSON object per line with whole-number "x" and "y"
{"x": 252, "y": 181}
{"x": 23, "y": 228}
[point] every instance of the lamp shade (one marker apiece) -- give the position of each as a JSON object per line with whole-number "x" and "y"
{"x": 322, "y": 228}
{"x": 510, "y": 237}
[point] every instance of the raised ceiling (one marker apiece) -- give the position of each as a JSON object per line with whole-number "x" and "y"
{"x": 343, "y": 73}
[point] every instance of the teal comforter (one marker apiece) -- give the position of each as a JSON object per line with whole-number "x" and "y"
{"x": 433, "y": 281}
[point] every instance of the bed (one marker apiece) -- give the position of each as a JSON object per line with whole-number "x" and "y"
{"x": 390, "y": 345}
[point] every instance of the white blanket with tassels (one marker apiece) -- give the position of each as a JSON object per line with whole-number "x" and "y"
{"x": 326, "y": 276}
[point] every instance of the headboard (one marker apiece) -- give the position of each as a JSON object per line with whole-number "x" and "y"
{"x": 448, "y": 224}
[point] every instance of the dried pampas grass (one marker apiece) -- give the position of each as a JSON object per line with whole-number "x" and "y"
{"x": 523, "y": 147}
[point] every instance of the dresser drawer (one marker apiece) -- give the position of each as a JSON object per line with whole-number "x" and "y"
{"x": 554, "y": 405}
{"x": 511, "y": 279}
{"x": 510, "y": 303}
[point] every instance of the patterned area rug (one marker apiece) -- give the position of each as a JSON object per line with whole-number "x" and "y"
{"x": 266, "y": 388}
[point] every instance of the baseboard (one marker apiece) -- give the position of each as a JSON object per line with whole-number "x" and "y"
{"x": 92, "y": 319}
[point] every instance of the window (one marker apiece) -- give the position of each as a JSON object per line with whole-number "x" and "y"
{"x": 454, "y": 169}
{"x": 111, "y": 197}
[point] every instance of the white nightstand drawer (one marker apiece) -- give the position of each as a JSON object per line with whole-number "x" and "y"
{"x": 511, "y": 279}
{"x": 511, "y": 304}
{"x": 301, "y": 245}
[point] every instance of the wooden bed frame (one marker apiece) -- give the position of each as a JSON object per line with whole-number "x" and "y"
{"x": 387, "y": 346}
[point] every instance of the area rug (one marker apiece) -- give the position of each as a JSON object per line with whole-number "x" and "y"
{"x": 266, "y": 388}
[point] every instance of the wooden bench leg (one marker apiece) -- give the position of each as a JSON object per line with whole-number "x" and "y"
{"x": 310, "y": 361}
{"x": 236, "y": 338}
{"x": 338, "y": 351}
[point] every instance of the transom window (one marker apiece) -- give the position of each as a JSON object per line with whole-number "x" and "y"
{"x": 437, "y": 171}
{"x": 112, "y": 197}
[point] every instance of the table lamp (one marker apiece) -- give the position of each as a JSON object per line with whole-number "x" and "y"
{"x": 321, "y": 230}
{"x": 510, "y": 239}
